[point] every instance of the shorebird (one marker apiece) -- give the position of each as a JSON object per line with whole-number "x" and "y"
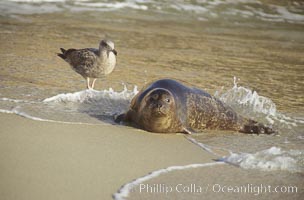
{"x": 91, "y": 62}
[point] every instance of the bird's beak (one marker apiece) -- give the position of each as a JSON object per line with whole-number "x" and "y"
{"x": 115, "y": 52}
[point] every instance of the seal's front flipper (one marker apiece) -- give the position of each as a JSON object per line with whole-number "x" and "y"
{"x": 119, "y": 118}
{"x": 188, "y": 130}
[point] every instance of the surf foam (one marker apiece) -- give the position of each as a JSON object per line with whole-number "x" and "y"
{"x": 242, "y": 97}
{"x": 124, "y": 191}
{"x": 114, "y": 6}
{"x": 82, "y": 107}
{"x": 243, "y": 9}
{"x": 14, "y": 100}
{"x": 92, "y": 95}
{"x": 270, "y": 159}
{"x": 250, "y": 104}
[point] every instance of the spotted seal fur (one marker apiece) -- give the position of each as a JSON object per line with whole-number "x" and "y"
{"x": 167, "y": 106}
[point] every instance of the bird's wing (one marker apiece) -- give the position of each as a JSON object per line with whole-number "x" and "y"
{"x": 94, "y": 50}
{"x": 82, "y": 57}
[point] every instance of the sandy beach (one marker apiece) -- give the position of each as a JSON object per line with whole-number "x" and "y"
{"x": 59, "y": 141}
{"x": 42, "y": 160}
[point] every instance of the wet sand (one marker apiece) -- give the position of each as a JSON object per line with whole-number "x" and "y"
{"x": 222, "y": 182}
{"x": 42, "y": 160}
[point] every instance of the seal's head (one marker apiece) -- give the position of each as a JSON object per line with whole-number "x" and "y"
{"x": 158, "y": 110}
{"x": 159, "y": 102}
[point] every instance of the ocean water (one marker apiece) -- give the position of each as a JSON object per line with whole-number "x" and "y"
{"x": 248, "y": 53}
{"x": 284, "y": 11}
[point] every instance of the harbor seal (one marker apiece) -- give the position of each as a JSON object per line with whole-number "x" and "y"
{"x": 167, "y": 106}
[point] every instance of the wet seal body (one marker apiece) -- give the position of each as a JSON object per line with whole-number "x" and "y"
{"x": 167, "y": 106}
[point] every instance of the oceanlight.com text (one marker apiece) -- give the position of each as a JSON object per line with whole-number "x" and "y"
{"x": 214, "y": 188}
{"x": 253, "y": 189}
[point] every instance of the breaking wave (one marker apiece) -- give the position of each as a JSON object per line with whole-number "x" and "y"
{"x": 202, "y": 10}
{"x": 82, "y": 107}
{"x": 252, "y": 105}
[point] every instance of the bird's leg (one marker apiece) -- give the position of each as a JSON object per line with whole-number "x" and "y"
{"x": 93, "y": 83}
{"x": 88, "y": 83}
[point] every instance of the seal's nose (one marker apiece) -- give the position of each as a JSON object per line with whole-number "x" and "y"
{"x": 159, "y": 105}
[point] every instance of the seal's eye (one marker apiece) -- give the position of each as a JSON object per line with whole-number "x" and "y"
{"x": 167, "y": 100}
{"x": 155, "y": 96}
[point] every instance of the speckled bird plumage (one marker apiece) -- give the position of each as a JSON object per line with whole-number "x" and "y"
{"x": 91, "y": 62}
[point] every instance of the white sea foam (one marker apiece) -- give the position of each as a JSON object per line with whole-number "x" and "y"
{"x": 291, "y": 13}
{"x": 102, "y": 105}
{"x": 273, "y": 158}
{"x": 241, "y": 96}
{"x": 270, "y": 159}
{"x": 82, "y": 107}
{"x": 37, "y": 1}
{"x": 6, "y": 111}
{"x": 14, "y": 100}
{"x": 249, "y": 103}
{"x": 287, "y": 15}
{"x": 189, "y": 7}
{"x": 125, "y": 189}
{"x": 116, "y": 5}
{"x": 92, "y": 95}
